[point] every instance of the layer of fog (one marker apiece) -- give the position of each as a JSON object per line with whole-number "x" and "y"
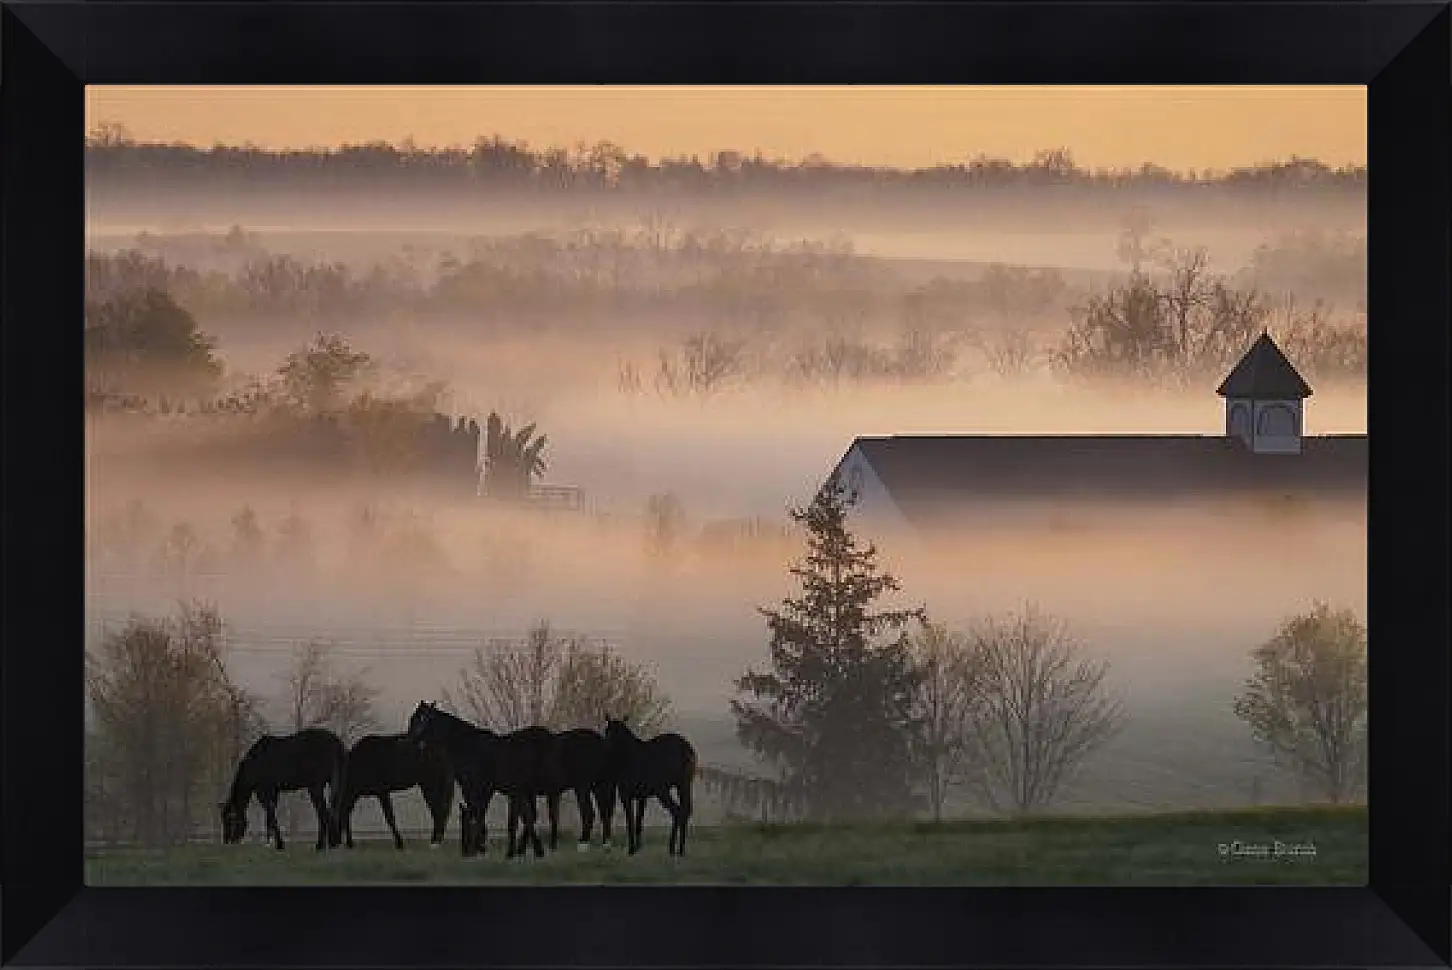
{"x": 1091, "y": 251}
{"x": 1031, "y": 227}
{"x": 1173, "y": 596}
{"x": 746, "y": 451}
{"x": 1171, "y": 592}
{"x": 171, "y": 204}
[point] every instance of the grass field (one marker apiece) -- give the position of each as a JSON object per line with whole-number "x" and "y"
{"x": 1170, "y": 849}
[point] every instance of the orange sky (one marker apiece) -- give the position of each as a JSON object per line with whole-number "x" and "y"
{"x": 1178, "y": 127}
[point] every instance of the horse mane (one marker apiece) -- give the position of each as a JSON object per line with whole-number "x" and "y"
{"x": 242, "y": 785}
{"x": 460, "y": 727}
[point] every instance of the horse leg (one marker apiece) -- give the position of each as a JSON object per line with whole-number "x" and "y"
{"x": 629, "y": 829}
{"x": 325, "y": 817}
{"x": 385, "y": 802}
{"x": 531, "y": 819}
{"x": 513, "y": 820}
{"x": 466, "y": 826}
{"x": 269, "y": 807}
{"x": 586, "y": 805}
{"x": 481, "y": 824}
{"x": 637, "y": 840}
{"x": 438, "y": 802}
{"x": 605, "y": 798}
{"x": 669, "y": 804}
{"x": 552, "y": 805}
{"x": 686, "y": 809}
{"x": 345, "y": 818}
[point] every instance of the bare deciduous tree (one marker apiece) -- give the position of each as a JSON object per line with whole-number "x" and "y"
{"x": 836, "y": 358}
{"x": 1307, "y": 701}
{"x": 1186, "y": 294}
{"x": 949, "y": 671}
{"x": 1320, "y": 346}
{"x": 628, "y": 380}
{"x": 923, "y": 353}
{"x": 167, "y": 724}
{"x": 596, "y": 683}
{"x": 705, "y": 362}
{"x": 1178, "y": 325}
{"x": 248, "y": 541}
{"x": 665, "y": 520}
{"x": 1040, "y": 709}
{"x": 182, "y": 554}
{"x": 1009, "y": 352}
{"x": 319, "y": 695}
{"x": 557, "y": 682}
{"x": 507, "y": 686}
{"x": 1134, "y": 239}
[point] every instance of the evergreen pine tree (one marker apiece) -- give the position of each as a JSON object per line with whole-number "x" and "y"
{"x": 836, "y": 713}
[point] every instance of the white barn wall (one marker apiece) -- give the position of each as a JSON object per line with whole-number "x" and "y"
{"x": 875, "y": 510}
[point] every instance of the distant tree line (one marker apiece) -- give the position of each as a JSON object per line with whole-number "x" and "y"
{"x": 631, "y": 276}
{"x": 496, "y": 162}
{"x": 805, "y": 313}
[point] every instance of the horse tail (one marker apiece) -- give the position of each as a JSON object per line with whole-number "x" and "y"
{"x": 693, "y": 768}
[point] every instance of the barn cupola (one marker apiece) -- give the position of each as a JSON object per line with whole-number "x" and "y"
{"x": 1265, "y": 400}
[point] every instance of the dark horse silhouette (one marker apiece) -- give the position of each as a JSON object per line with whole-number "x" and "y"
{"x": 582, "y": 766}
{"x": 380, "y": 764}
{"x": 520, "y": 764}
{"x": 643, "y": 769}
{"x": 529, "y": 766}
{"x": 310, "y": 760}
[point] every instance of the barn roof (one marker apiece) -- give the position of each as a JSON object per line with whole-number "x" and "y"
{"x": 1264, "y": 372}
{"x": 925, "y": 474}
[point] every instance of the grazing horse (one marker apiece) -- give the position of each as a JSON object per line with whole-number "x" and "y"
{"x": 529, "y": 766}
{"x": 643, "y": 769}
{"x": 582, "y": 761}
{"x": 311, "y": 759}
{"x": 517, "y": 764}
{"x": 380, "y": 764}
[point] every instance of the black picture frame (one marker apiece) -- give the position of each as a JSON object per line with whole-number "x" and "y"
{"x": 49, "y": 51}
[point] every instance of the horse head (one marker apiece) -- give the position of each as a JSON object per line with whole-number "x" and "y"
{"x": 421, "y": 720}
{"x": 234, "y": 823}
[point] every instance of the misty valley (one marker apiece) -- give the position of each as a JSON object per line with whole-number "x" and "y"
{"x": 561, "y": 471}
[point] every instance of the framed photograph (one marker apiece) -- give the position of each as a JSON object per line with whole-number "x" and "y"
{"x": 725, "y": 485}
